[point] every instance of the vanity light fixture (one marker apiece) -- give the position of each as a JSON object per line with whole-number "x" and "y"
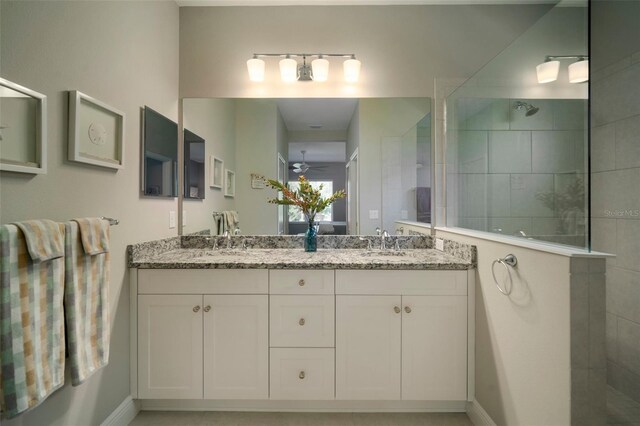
{"x": 291, "y": 70}
{"x": 578, "y": 71}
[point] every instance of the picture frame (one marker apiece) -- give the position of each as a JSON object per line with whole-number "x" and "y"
{"x": 216, "y": 172}
{"x": 229, "y": 183}
{"x": 96, "y": 132}
{"x": 28, "y": 106}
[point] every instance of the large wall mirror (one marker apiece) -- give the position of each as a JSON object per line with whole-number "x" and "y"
{"x": 377, "y": 149}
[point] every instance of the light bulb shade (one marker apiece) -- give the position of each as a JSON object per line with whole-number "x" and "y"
{"x": 320, "y": 68}
{"x": 548, "y": 71}
{"x": 255, "y": 67}
{"x": 351, "y": 70}
{"x": 288, "y": 70}
{"x": 579, "y": 72}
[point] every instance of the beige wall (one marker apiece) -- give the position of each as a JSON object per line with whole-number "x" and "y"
{"x": 215, "y": 121}
{"x": 125, "y": 54}
{"x": 402, "y": 48}
{"x": 615, "y": 168}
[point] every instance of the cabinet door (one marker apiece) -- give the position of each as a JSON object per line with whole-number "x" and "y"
{"x": 368, "y": 347}
{"x": 434, "y": 348}
{"x": 236, "y": 347}
{"x": 170, "y": 346}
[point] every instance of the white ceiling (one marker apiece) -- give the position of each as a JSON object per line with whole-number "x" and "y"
{"x": 353, "y": 2}
{"x": 331, "y": 114}
{"x": 330, "y": 152}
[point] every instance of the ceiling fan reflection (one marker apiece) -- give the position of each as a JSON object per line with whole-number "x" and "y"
{"x": 304, "y": 166}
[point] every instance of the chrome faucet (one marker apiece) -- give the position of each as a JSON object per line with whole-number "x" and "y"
{"x": 369, "y": 243}
{"x": 227, "y": 235}
{"x": 378, "y": 231}
{"x": 383, "y": 240}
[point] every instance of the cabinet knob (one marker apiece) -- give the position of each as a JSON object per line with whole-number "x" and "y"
{"x": 396, "y": 309}
{"x": 301, "y": 283}
{"x": 301, "y": 375}
{"x": 207, "y": 308}
{"x": 302, "y": 321}
{"x": 196, "y": 308}
{"x": 407, "y": 309}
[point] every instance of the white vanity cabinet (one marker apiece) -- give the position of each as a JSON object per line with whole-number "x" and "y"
{"x": 401, "y": 335}
{"x": 210, "y": 344}
{"x": 258, "y": 338}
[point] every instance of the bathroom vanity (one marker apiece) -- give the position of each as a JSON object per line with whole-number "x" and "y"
{"x": 339, "y": 329}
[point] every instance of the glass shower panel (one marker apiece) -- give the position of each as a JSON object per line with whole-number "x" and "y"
{"x": 517, "y": 150}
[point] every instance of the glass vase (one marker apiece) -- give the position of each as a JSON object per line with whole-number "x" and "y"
{"x": 311, "y": 237}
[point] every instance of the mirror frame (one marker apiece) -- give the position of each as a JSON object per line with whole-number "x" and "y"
{"x": 41, "y": 133}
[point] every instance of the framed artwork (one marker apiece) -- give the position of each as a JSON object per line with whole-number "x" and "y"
{"x": 23, "y": 129}
{"x": 229, "y": 183}
{"x": 216, "y": 172}
{"x": 96, "y": 132}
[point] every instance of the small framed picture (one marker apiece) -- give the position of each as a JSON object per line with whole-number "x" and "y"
{"x": 96, "y": 132}
{"x": 229, "y": 183}
{"x": 216, "y": 172}
{"x": 194, "y": 192}
{"x": 23, "y": 129}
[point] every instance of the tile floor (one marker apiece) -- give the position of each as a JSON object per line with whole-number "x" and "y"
{"x": 222, "y": 418}
{"x": 621, "y": 410}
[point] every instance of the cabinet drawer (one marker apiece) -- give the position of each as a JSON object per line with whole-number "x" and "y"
{"x": 203, "y": 281}
{"x": 301, "y": 281}
{"x": 410, "y": 283}
{"x": 298, "y": 373}
{"x": 302, "y": 321}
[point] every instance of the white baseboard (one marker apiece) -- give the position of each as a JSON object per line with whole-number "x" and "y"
{"x": 477, "y": 415}
{"x": 123, "y": 414}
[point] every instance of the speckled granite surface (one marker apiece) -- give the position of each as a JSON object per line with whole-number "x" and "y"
{"x": 278, "y": 258}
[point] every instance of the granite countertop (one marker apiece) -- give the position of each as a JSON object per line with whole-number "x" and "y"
{"x": 297, "y": 258}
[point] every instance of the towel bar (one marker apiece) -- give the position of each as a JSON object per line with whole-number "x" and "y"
{"x": 112, "y": 221}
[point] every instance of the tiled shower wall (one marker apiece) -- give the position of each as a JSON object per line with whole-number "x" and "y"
{"x": 513, "y": 174}
{"x": 616, "y": 212}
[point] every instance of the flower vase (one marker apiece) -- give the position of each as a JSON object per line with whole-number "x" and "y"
{"x": 311, "y": 237}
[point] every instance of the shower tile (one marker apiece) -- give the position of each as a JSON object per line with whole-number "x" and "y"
{"x": 629, "y": 345}
{"x": 579, "y": 323}
{"x": 623, "y": 380}
{"x": 542, "y": 120}
{"x": 597, "y": 321}
{"x": 615, "y": 194}
{"x": 546, "y": 226}
{"x": 558, "y": 151}
{"x": 628, "y": 243}
{"x": 472, "y": 152}
{"x": 525, "y": 189}
{"x": 628, "y": 143}
{"x": 623, "y": 293}
{"x": 612, "y": 337}
{"x": 617, "y": 96}
{"x": 473, "y": 195}
{"x": 603, "y": 236}
{"x": 498, "y": 195}
{"x": 509, "y": 152}
{"x": 483, "y": 114}
{"x": 603, "y": 148}
{"x": 569, "y": 114}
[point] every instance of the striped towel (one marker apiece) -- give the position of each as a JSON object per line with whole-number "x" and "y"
{"x": 86, "y": 301}
{"x": 44, "y": 239}
{"x": 31, "y": 323}
{"x": 94, "y": 233}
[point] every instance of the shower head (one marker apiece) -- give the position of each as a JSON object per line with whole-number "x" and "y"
{"x": 530, "y": 109}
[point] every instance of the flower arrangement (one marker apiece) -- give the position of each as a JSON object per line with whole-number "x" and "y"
{"x": 307, "y": 198}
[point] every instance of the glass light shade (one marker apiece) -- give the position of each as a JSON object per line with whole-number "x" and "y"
{"x": 351, "y": 70}
{"x": 579, "y": 72}
{"x": 548, "y": 71}
{"x": 255, "y": 67}
{"x": 288, "y": 70}
{"x": 320, "y": 68}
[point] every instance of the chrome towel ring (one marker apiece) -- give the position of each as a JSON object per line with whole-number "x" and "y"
{"x": 508, "y": 261}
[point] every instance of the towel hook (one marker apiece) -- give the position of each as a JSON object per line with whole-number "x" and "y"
{"x": 508, "y": 261}
{"x": 112, "y": 221}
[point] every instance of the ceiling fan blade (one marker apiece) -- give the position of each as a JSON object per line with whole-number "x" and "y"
{"x": 297, "y": 164}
